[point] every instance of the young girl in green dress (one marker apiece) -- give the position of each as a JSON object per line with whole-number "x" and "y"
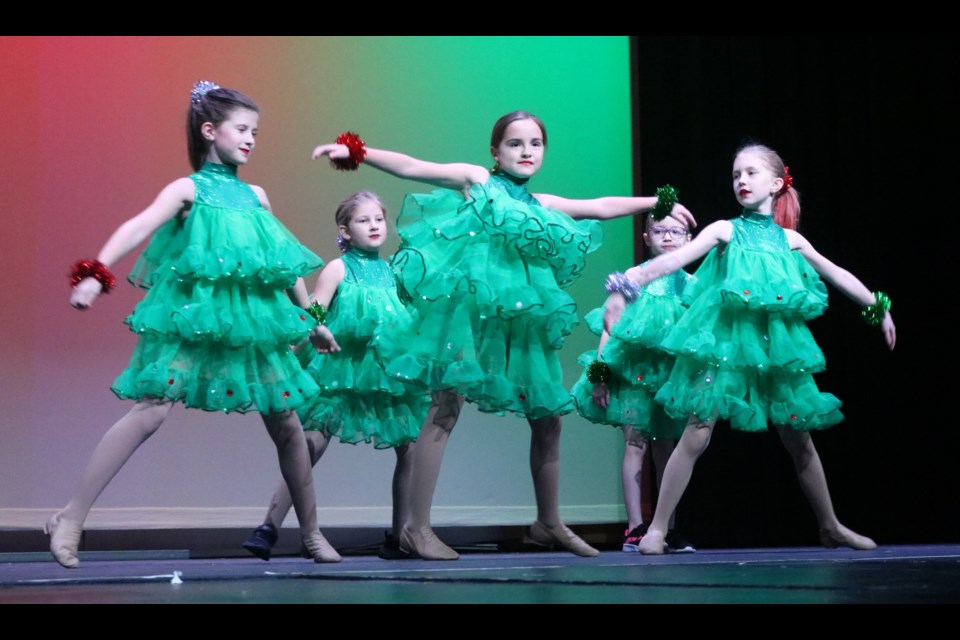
{"x": 744, "y": 352}
{"x": 225, "y": 300}
{"x": 484, "y": 262}
{"x": 356, "y": 299}
{"x": 622, "y": 376}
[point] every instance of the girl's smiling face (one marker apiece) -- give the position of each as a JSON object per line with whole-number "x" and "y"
{"x": 520, "y": 153}
{"x": 232, "y": 140}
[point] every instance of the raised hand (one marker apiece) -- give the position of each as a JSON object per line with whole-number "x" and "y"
{"x": 681, "y": 214}
{"x": 333, "y": 151}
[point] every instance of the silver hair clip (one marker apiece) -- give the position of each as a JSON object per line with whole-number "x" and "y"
{"x": 200, "y": 89}
{"x": 343, "y": 243}
{"x": 618, "y": 281}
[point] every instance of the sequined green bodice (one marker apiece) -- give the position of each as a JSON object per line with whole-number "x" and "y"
{"x": 758, "y": 231}
{"x": 218, "y": 186}
{"x": 367, "y": 268}
{"x": 515, "y": 188}
{"x": 669, "y": 285}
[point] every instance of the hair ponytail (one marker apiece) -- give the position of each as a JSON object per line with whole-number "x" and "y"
{"x": 786, "y": 208}
{"x": 786, "y": 204}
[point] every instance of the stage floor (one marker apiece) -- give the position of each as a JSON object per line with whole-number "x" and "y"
{"x": 892, "y": 574}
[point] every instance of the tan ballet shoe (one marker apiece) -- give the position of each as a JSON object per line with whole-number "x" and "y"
{"x": 64, "y": 539}
{"x": 559, "y": 536}
{"x": 425, "y": 543}
{"x": 654, "y": 543}
{"x": 843, "y": 537}
{"x": 319, "y": 549}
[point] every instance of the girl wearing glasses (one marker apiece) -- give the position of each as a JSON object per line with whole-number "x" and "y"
{"x": 622, "y": 376}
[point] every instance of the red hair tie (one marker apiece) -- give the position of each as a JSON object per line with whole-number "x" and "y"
{"x": 787, "y": 180}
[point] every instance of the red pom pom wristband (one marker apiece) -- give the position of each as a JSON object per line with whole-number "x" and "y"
{"x": 92, "y": 269}
{"x": 358, "y": 151}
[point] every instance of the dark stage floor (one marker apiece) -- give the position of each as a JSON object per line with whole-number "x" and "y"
{"x": 892, "y": 574}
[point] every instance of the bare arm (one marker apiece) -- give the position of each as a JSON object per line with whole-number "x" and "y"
{"x": 327, "y": 282}
{"x": 664, "y": 264}
{"x": 612, "y": 311}
{"x": 175, "y": 197}
{"x": 455, "y": 175}
{"x": 610, "y": 207}
{"x": 262, "y": 197}
{"x": 298, "y": 294}
{"x": 848, "y": 284}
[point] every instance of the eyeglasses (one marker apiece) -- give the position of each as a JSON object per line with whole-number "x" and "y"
{"x": 673, "y": 232}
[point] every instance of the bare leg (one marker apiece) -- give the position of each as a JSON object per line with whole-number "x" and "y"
{"x": 660, "y": 451}
{"x": 676, "y": 477}
{"x": 416, "y": 535}
{"x": 287, "y": 434}
{"x": 281, "y": 502}
{"x": 813, "y": 482}
{"x": 549, "y": 530}
{"x": 634, "y": 450}
{"x": 401, "y": 486}
{"x": 112, "y": 452}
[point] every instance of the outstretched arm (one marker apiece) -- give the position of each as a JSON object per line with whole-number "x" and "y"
{"x": 327, "y": 282}
{"x": 610, "y": 207}
{"x": 174, "y": 198}
{"x": 452, "y": 175}
{"x": 666, "y": 263}
{"x": 846, "y": 282}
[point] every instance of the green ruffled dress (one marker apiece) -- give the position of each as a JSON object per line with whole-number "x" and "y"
{"x": 485, "y": 273}
{"x": 744, "y": 352}
{"x": 216, "y": 325}
{"x": 358, "y": 401}
{"x": 638, "y": 365}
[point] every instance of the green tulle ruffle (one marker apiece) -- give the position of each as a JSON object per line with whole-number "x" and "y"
{"x": 215, "y": 326}
{"x": 484, "y": 274}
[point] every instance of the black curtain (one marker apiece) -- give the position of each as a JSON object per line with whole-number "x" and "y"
{"x": 867, "y": 126}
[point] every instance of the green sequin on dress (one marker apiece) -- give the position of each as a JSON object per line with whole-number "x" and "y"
{"x": 358, "y": 401}
{"x": 216, "y": 325}
{"x": 639, "y": 366}
{"x": 485, "y": 273}
{"x": 744, "y": 352}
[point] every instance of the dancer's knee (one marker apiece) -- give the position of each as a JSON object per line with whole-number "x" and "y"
{"x": 696, "y": 438}
{"x": 317, "y": 443}
{"x": 636, "y": 444}
{"x": 446, "y": 409}
{"x": 149, "y": 413}
{"x": 798, "y": 444}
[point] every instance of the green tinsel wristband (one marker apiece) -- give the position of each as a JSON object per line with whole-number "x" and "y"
{"x": 599, "y": 373}
{"x": 318, "y": 312}
{"x": 873, "y": 314}
{"x": 666, "y": 198}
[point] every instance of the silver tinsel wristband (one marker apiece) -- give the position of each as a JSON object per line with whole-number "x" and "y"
{"x": 619, "y": 282}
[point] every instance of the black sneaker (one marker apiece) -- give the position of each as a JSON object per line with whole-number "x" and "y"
{"x": 678, "y": 543}
{"x": 390, "y": 549}
{"x": 261, "y": 541}
{"x": 632, "y": 537}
